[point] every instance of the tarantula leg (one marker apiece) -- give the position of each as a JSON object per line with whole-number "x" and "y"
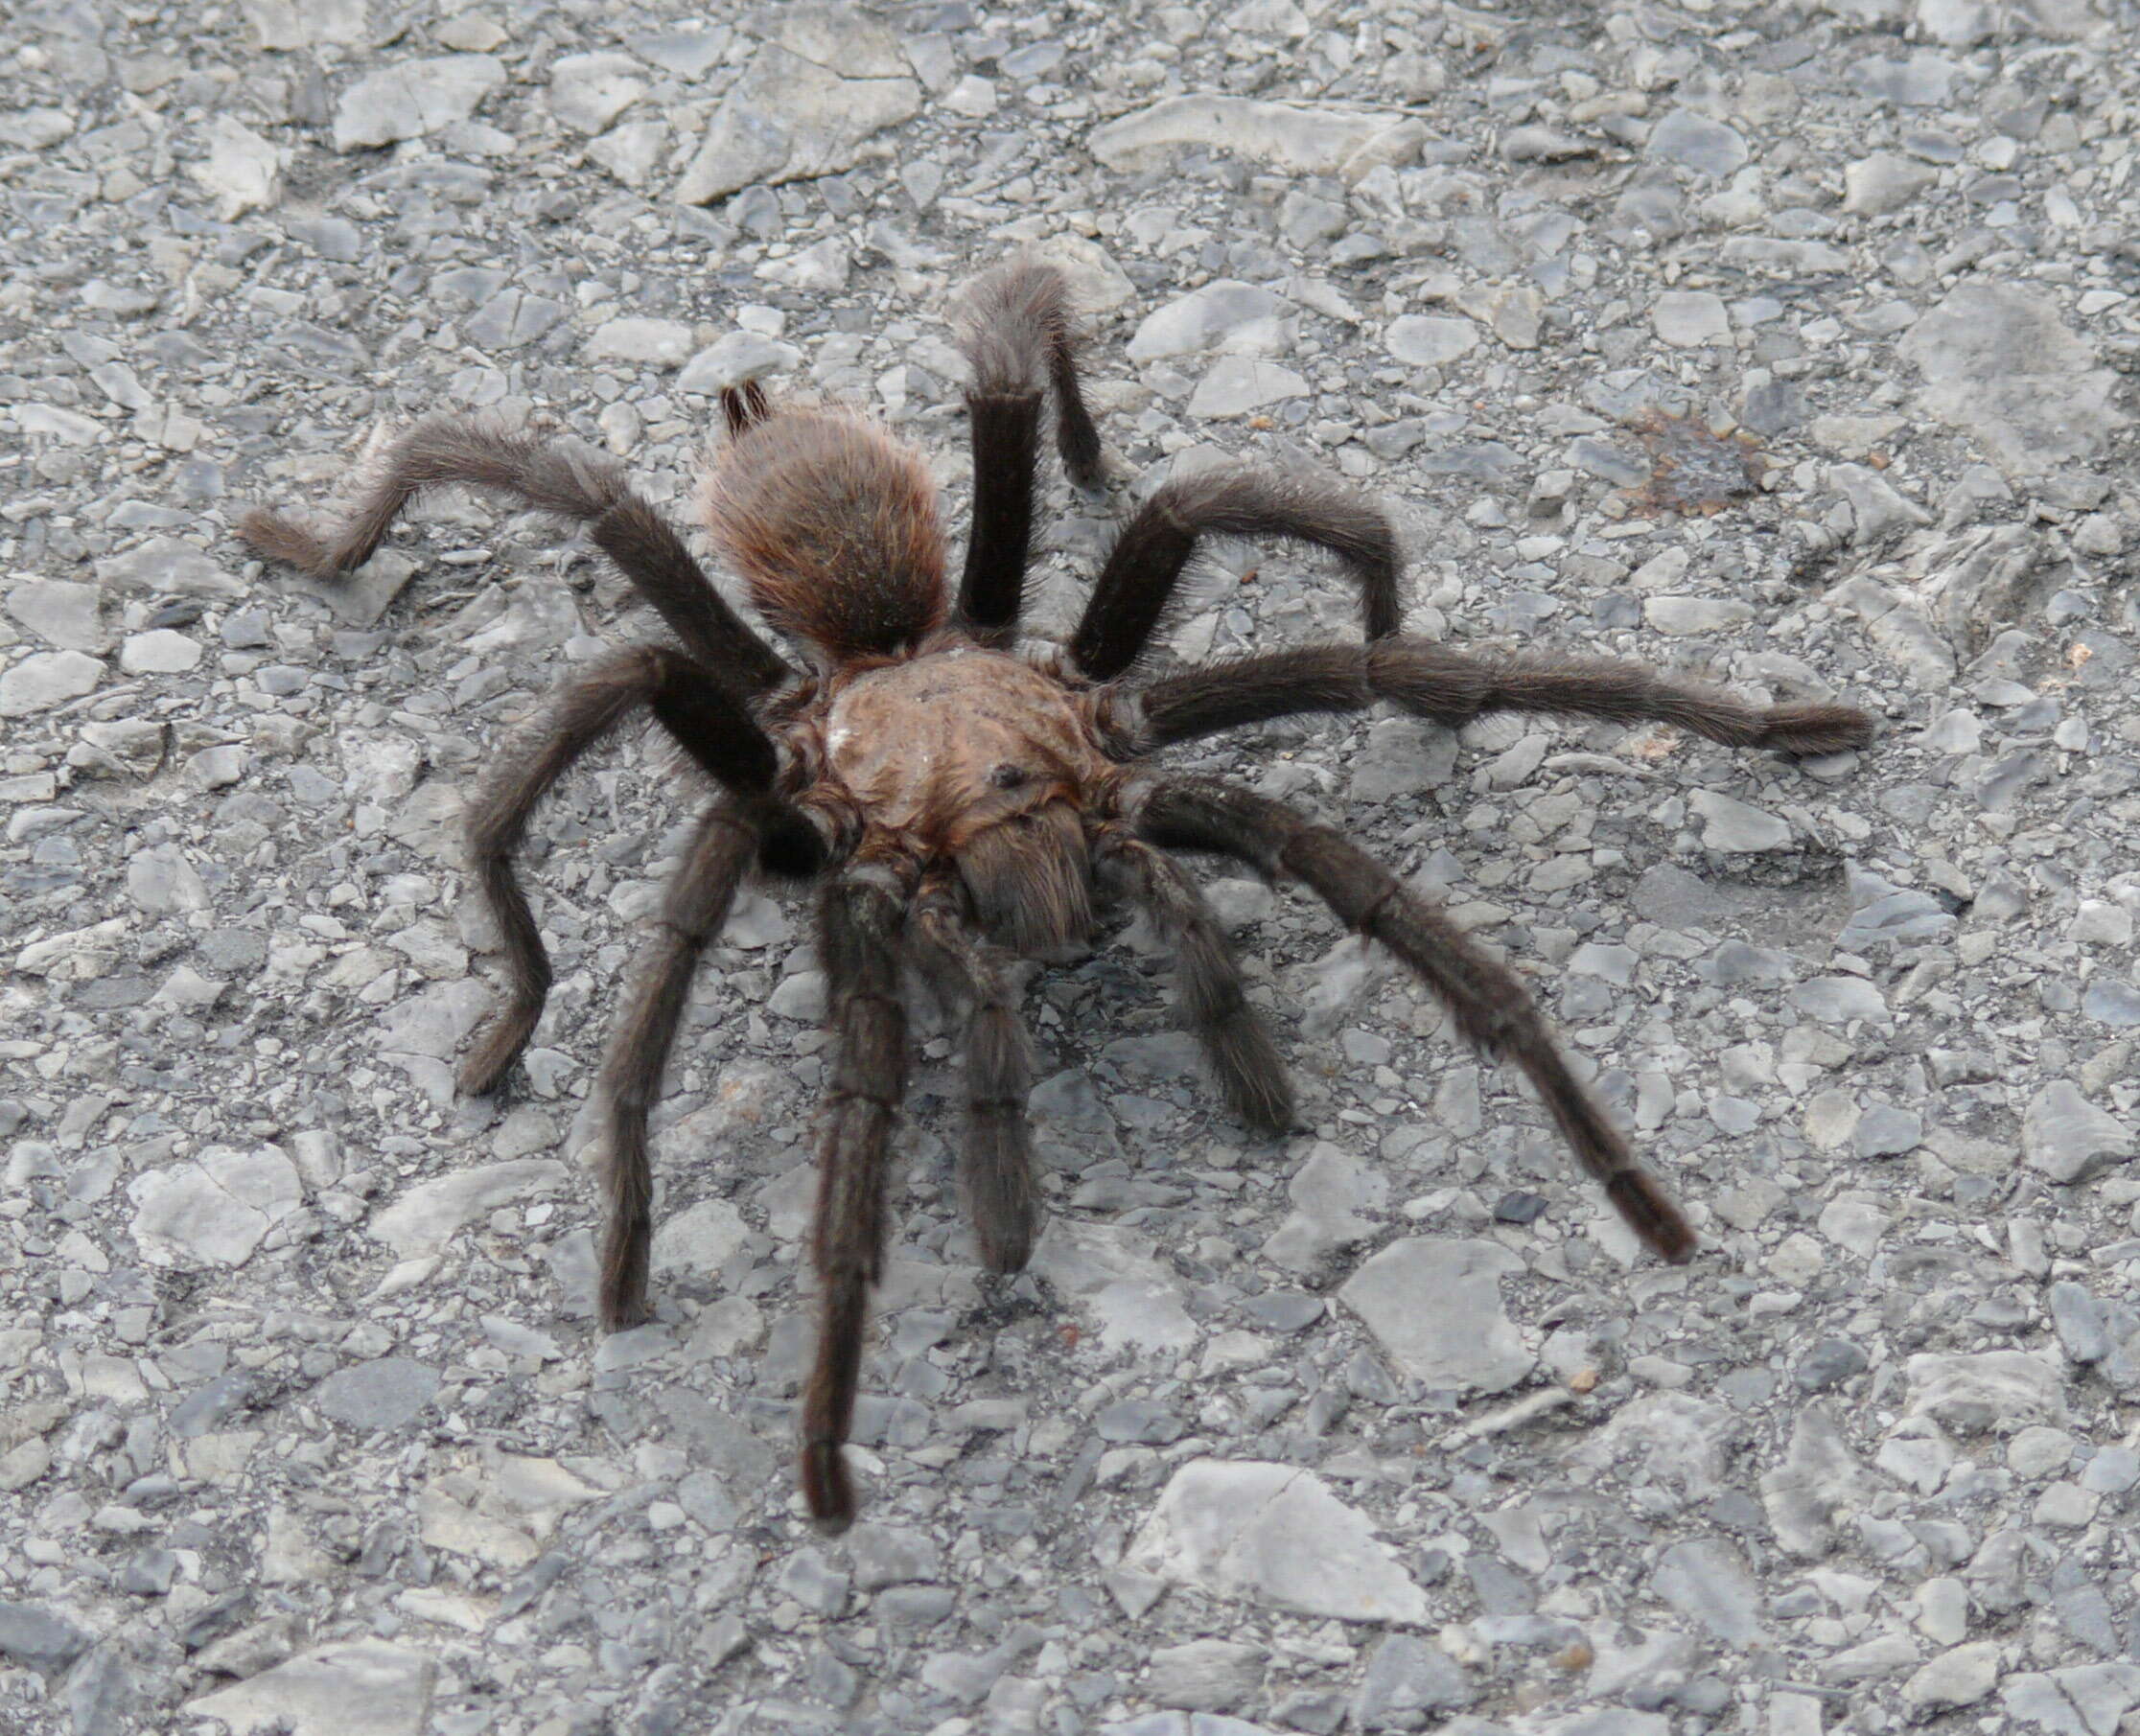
{"x": 1018, "y": 335}
{"x": 1235, "y": 1040}
{"x": 995, "y": 1167}
{"x": 570, "y": 482}
{"x": 744, "y": 407}
{"x": 706, "y": 720}
{"x": 693, "y": 909}
{"x": 1489, "y": 1005}
{"x": 859, "y": 923}
{"x": 1138, "y": 582}
{"x": 1430, "y": 680}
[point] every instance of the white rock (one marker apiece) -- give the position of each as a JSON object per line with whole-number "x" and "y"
{"x": 2067, "y": 1138}
{"x": 1997, "y": 1390}
{"x": 1307, "y": 141}
{"x": 286, "y": 24}
{"x": 700, "y": 1240}
{"x": 1690, "y": 318}
{"x": 818, "y": 269}
{"x": 158, "y": 652}
{"x": 734, "y": 357}
{"x": 656, "y": 343}
{"x": 425, "y": 1218}
{"x": 1424, "y": 341}
{"x": 1960, "y": 1677}
{"x": 241, "y": 170}
{"x": 804, "y": 105}
{"x": 2000, "y": 364}
{"x": 365, "y": 1688}
{"x": 1275, "y": 1534}
{"x": 414, "y": 98}
{"x": 215, "y": 1211}
{"x": 1116, "y": 1273}
{"x": 1224, "y": 315}
{"x": 1236, "y": 384}
{"x": 1730, "y": 824}
{"x": 1434, "y": 1303}
{"x": 632, "y": 152}
{"x": 1326, "y": 1193}
{"x": 586, "y": 92}
{"x": 45, "y": 679}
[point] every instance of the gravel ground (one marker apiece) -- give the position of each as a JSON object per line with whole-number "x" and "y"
{"x": 1787, "y": 344}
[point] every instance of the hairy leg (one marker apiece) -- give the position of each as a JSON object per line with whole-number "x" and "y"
{"x": 1491, "y": 1007}
{"x": 571, "y": 482}
{"x": 1234, "y": 1037}
{"x": 1430, "y": 680}
{"x": 859, "y": 932}
{"x": 706, "y": 721}
{"x": 693, "y": 908}
{"x": 1019, "y": 336}
{"x": 1138, "y": 582}
{"x": 995, "y": 1167}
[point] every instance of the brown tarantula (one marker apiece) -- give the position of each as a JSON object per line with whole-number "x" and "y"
{"x": 961, "y": 800}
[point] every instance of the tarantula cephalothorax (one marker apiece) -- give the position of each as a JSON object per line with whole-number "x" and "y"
{"x": 960, "y": 802}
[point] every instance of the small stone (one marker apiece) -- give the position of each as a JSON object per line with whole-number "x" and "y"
{"x": 2067, "y": 1138}
{"x": 1840, "y": 1000}
{"x": 62, "y": 613}
{"x": 1730, "y": 824}
{"x": 2000, "y": 364}
{"x": 1407, "y": 1677}
{"x": 733, "y": 359}
{"x": 1435, "y": 1306}
{"x": 1236, "y": 384}
{"x": 1991, "y": 1390}
{"x": 1884, "y": 1130}
{"x": 657, "y": 342}
{"x": 45, "y": 679}
{"x": 1708, "y": 1580}
{"x": 1275, "y": 1535}
{"x": 1691, "y": 318}
{"x": 1237, "y": 317}
{"x": 1829, "y": 1364}
{"x": 161, "y": 652}
{"x": 386, "y": 1393}
{"x": 1883, "y": 182}
{"x": 1205, "y": 1675}
{"x": 1301, "y": 141}
{"x": 1683, "y": 617}
{"x": 1424, "y": 341}
{"x": 423, "y": 1220}
{"x": 414, "y": 98}
{"x": 362, "y": 1688}
{"x": 1696, "y": 142}
{"x": 242, "y": 171}
{"x": 40, "y": 1639}
{"x": 805, "y": 104}
{"x": 586, "y": 92}
{"x": 1877, "y": 509}
{"x": 1960, "y": 1677}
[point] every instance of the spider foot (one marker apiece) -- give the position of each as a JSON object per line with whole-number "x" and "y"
{"x": 1817, "y": 729}
{"x": 826, "y": 1486}
{"x": 1651, "y": 1215}
{"x": 484, "y": 1067}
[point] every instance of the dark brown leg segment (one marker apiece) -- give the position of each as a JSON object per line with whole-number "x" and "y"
{"x": 571, "y": 482}
{"x": 1138, "y": 583}
{"x": 1235, "y": 1040}
{"x": 693, "y": 909}
{"x": 706, "y": 720}
{"x": 1451, "y": 688}
{"x": 1489, "y": 1005}
{"x": 1019, "y": 338}
{"x": 995, "y": 1167}
{"x": 860, "y": 933}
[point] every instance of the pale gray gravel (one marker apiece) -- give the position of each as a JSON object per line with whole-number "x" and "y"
{"x": 1786, "y": 344}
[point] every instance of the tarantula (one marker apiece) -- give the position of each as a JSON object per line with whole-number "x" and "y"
{"x": 961, "y": 800}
